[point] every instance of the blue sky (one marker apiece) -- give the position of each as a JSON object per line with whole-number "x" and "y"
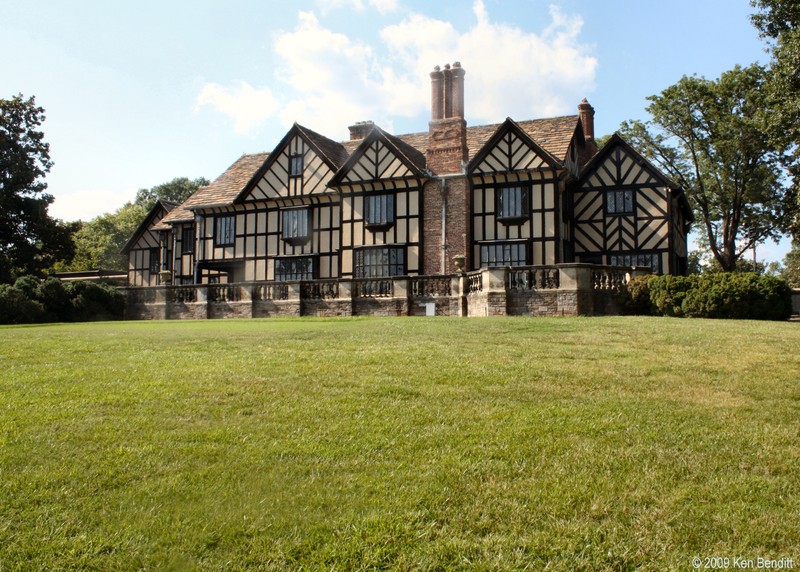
{"x": 138, "y": 93}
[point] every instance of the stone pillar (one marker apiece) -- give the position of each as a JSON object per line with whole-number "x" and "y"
{"x": 575, "y": 291}
{"x": 494, "y": 287}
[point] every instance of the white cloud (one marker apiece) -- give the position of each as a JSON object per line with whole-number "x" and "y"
{"x": 382, "y": 6}
{"x": 329, "y": 80}
{"x": 247, "y": 106}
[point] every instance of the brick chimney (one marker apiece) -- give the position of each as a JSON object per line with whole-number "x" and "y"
{"x": 447, "y": 143}
{"x": 360, "y": 130}
{"x": 586, "y": 114}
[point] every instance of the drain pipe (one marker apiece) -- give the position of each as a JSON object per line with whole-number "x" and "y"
{"x": 443, "y": 192}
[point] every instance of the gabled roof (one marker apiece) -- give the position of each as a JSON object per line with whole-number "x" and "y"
{"x": 223, "y": 191}
{"x": 331, "y": 152}
{"x": 413, "y": 158}
{"x": 510, "y": 126}
{"x": 552, "y": 135}
{"x": 617, "y": 140}
{"x": 158, "y": 208}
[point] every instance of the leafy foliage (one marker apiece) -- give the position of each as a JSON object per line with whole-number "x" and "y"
{"x": 99, "y": 242}
{"x": 30, "y": 240}
{"x": 740, "y": 295}
{"x": 791, "y": 265}
{"x": 779, "y": 22}
{"x": 711, "y": 138}
{"x": 32, "y": 300}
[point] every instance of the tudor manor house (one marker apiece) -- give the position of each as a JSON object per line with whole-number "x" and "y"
{"x": 521, "y": 217}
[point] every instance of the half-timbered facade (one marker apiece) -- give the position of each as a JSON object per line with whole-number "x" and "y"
{"x": 534, "y": 193}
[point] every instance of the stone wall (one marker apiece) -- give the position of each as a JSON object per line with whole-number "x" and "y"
{"x": 562, "y": 290}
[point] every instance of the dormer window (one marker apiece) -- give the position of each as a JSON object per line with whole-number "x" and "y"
{"x": 296, "y": 165}
{"x": 512, "y": 204}
{"x": 379, "y": 213}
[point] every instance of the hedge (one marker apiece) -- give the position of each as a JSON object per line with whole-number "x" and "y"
{"x": 32, "y": 300}
{"x": 738, "y": 295}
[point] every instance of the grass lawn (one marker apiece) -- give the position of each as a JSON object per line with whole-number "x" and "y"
{"x": 401, "y": 444}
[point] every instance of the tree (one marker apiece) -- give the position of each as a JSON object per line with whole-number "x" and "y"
{"x": 778, "y": 21}
{"x": 711, "y": 138}
{"x": 30, "y": 240}
{"x": 791, "y": 265}
{"x": 175, "y": 191}
{"x": 98, "y": 243}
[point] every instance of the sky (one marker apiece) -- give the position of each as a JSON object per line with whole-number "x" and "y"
{"x": 138, "y": 93}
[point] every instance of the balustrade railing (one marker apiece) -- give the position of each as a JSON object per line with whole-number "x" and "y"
{"x": 475, "y": 282}
{"x": 609, "y": 279}
{"x": 373, "y": 288}
{"x": 431, "y": 286}
{"x": 539, "y": 278}
{"x": 270, "y": 291}
{"x": 184, "y": 294}
{"x": 224, "y": 293}
{"x": 319, "y": 289}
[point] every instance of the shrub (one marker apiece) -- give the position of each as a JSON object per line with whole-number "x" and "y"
{"x": 17, "y": 308}
{"x": 668, "y": 292}
{"x": 636, "y": 297}
{"x": 741, "y": 295}
{"x": 32, "y": 300}
{"x": 93, "y": 302}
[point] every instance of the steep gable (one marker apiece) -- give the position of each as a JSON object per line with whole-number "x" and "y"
{"x": 381, "y": 157}
{"x": 511, "y": 149}
{"x": 302, "y": 164}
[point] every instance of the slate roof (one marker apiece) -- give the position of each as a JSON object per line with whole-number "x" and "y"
{"x": 553, "y": 134}
{"x": 222, "y": 191}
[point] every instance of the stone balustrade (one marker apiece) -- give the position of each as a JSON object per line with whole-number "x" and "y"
{"x": 559, "y": 290}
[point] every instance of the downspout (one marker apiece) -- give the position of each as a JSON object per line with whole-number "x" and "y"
{"x": 198, "y": 220}
{"x": 443, "y": 192}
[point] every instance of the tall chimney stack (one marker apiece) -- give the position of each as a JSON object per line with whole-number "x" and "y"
{"x": 586, "y": 114}
{"x": 447, "y": 143}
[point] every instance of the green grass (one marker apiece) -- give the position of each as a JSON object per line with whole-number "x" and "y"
{"x": 402, "y": 444}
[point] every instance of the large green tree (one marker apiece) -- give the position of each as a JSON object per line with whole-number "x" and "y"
{"x": 30, "y": 240}
{"x": 711, "y": 137}
{"x": 98, "y": 243}
{"x": 778, "y": 21}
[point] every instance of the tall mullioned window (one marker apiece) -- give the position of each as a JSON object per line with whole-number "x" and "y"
{"x": 295, "y": 165}
{"x": 379, "y": 210}
{"x": 512, "y": 204}
{"x": 187, "y": 239}
{"x": 224, "y": 230}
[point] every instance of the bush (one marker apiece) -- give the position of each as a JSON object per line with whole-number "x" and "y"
{"x": 636, "y": 298}
{"x": 740, "y": 295}
{"x": 17, "y": 308}
{"x": 94, "y": 302}
{"x": 667, "y": 293}
{"x": 32, "y": 300}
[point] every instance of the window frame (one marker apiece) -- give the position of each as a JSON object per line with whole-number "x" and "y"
{"x": 229, "y": 230}
{"x": 389, "y": 206}
{"x": 296, "y": 165}
{"x": 511, "y": 262}
{"x": 387, "y": 269}
{"x": 612, "y": 202}
{"x": 188, "y": 231}
{"x": 524, "y": 203}
{"x": 293, "y": 239}
{"x": 154, "y": 264}
{"x": 634, "y": 259}
{"x": 294, "y": 275}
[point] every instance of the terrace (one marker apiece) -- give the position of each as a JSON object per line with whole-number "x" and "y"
{"x": 559, "y": 290}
